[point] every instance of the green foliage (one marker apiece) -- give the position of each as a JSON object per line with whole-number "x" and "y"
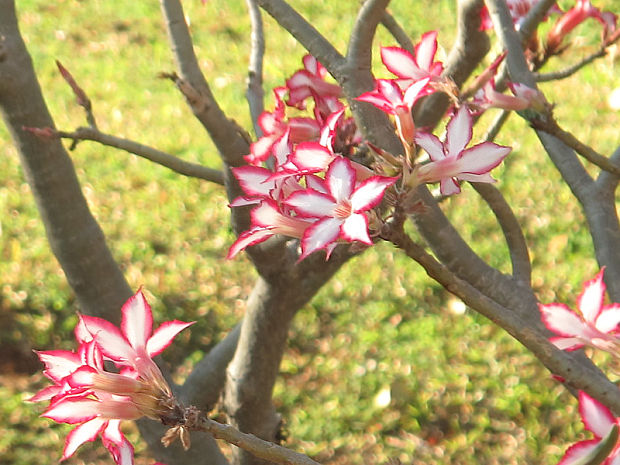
{"x": 382, "y": 363}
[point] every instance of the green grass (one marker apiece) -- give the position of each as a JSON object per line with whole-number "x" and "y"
{"x": 461, "y": 391}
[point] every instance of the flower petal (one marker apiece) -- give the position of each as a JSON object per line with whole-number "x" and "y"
{"x": 400, "y": 62}
{"x": 137, "y": 320}
{"x": 590, "y": 301}
{"x": 482, "y": 158}
{"x": 340, "y": 179}
{"x": 562, "y": 320}
{"x": 311, "y": 203}
{"x": 355, "y": 228}
{"x": 59, "y": 363}
{"x": 370, "y": 192}
{"x": 579, "y": 451}
{"x": 595, "y": 416}
{"x": 73, "y": 410}
{"x": 163, "y": 336}
{"x": 431, "y": 144}
{"x": 458, "y": 132}
{"x": 319, "y": 235}
{"x": 111, "y": 341}
{"x": 85, "y": 432}
{"x": 609, "y": 319}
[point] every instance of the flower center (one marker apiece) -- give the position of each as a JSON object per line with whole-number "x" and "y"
{"x": 343, "y": 210}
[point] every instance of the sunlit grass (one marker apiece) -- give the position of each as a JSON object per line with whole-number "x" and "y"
{"x": 460, "y": 390}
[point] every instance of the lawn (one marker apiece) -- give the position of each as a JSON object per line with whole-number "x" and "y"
{"x": 383, "y": 363}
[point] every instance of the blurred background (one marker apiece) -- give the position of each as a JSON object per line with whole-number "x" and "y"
{"x": 383, "y": 363}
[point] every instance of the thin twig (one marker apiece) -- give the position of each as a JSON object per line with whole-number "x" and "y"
{"x": 569, "y": 71}
{"x": 550, "y": 126}
{"x": 517, "y": 247}
{"x": 497, "y": 125}
{"x": 394, "y": 28}
{"x": 359, "y": 54}
{"x": 230, "y": 139}
{"x": 176, "y": 164}
{"x": 258, "y": 447}
{"x": 254, "y": 92}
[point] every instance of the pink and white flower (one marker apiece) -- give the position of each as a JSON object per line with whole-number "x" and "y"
{"x": 86, "y": 395}
{"x": 410, "y": 68}
{"x": 387, "y": 96}
{"x": 451, "y": 161}
{"x": 340, "y": 209}
{"x": 599, "y": 420}
{"x": 575, "y": 16}
{"x": 594, "y": 324}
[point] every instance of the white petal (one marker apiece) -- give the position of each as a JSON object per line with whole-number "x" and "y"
{"x": 340, "y": 179}
{"x": 311, "y": 203}
{"x": 590, "y": 301}
{"x": 85, "y": 432}
{"x": 609, "y": 319}
{"x": 459, "y": 132}
{"x": 596, "y": 417}
{"x": 400, "y": 62}
{"x": 432, "y": 145}
{"x": 137, "y": 320}
{"x": 425, "y": 50}
{"x": 163, "y": 336}
{"x": 355, "y": 228}
{"x": 482, "y": 158}
{"x": 370, "y": 193}
{"x": 320, "y": 235}
{"x": 562, "y": 320}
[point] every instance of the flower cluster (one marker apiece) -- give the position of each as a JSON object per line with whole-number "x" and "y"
{"x": 85, "y": 394}
{"x": 301, "y": 175}
{"x": 596, "y": 325}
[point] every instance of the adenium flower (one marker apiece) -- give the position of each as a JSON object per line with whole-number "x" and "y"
{"x": 575, "y": 16}
{"x": 518, "y": 10}
{"x": 387, "y": 96}
{"x": 599, "y": 420}
{"x": 451, "y": 161}
{"x": 594, "y": 324}
{"x": 97, "y": 401}
{"x": 410, "y": 68}
{"x": 340, "y": 208}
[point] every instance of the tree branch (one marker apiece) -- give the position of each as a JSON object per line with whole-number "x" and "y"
{"x": 359, "y": 54}
{"x": 576, "y": 369}
{"x": 389, "y": 22}
{"x": 550, "y": 126}
{"x": 569, "y": 71}
{"x": 606, "y": 181}
{"x": 306, "y": 34}
{"x": 517, "y": 247}
{"x": 265, "y": 450}
{"x": 74, "y": 235}
{"x": 167, "y": 160}
{"x": 230, "y": 139}
{"x": 254, "y": 92}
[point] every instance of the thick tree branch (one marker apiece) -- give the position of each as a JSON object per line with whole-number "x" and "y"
{"x": 254, "y": 92}
{"x": 576, "y": 369}
{"x": 606, "y": 181}
{"x": 359, "y": 54}
{"x": 178, "y": 165}
{"x": 389, "y": 22}
{"x": 205, "y": 383}
{"x": 599, "y": 209}
{"x": 74, "y": 235}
